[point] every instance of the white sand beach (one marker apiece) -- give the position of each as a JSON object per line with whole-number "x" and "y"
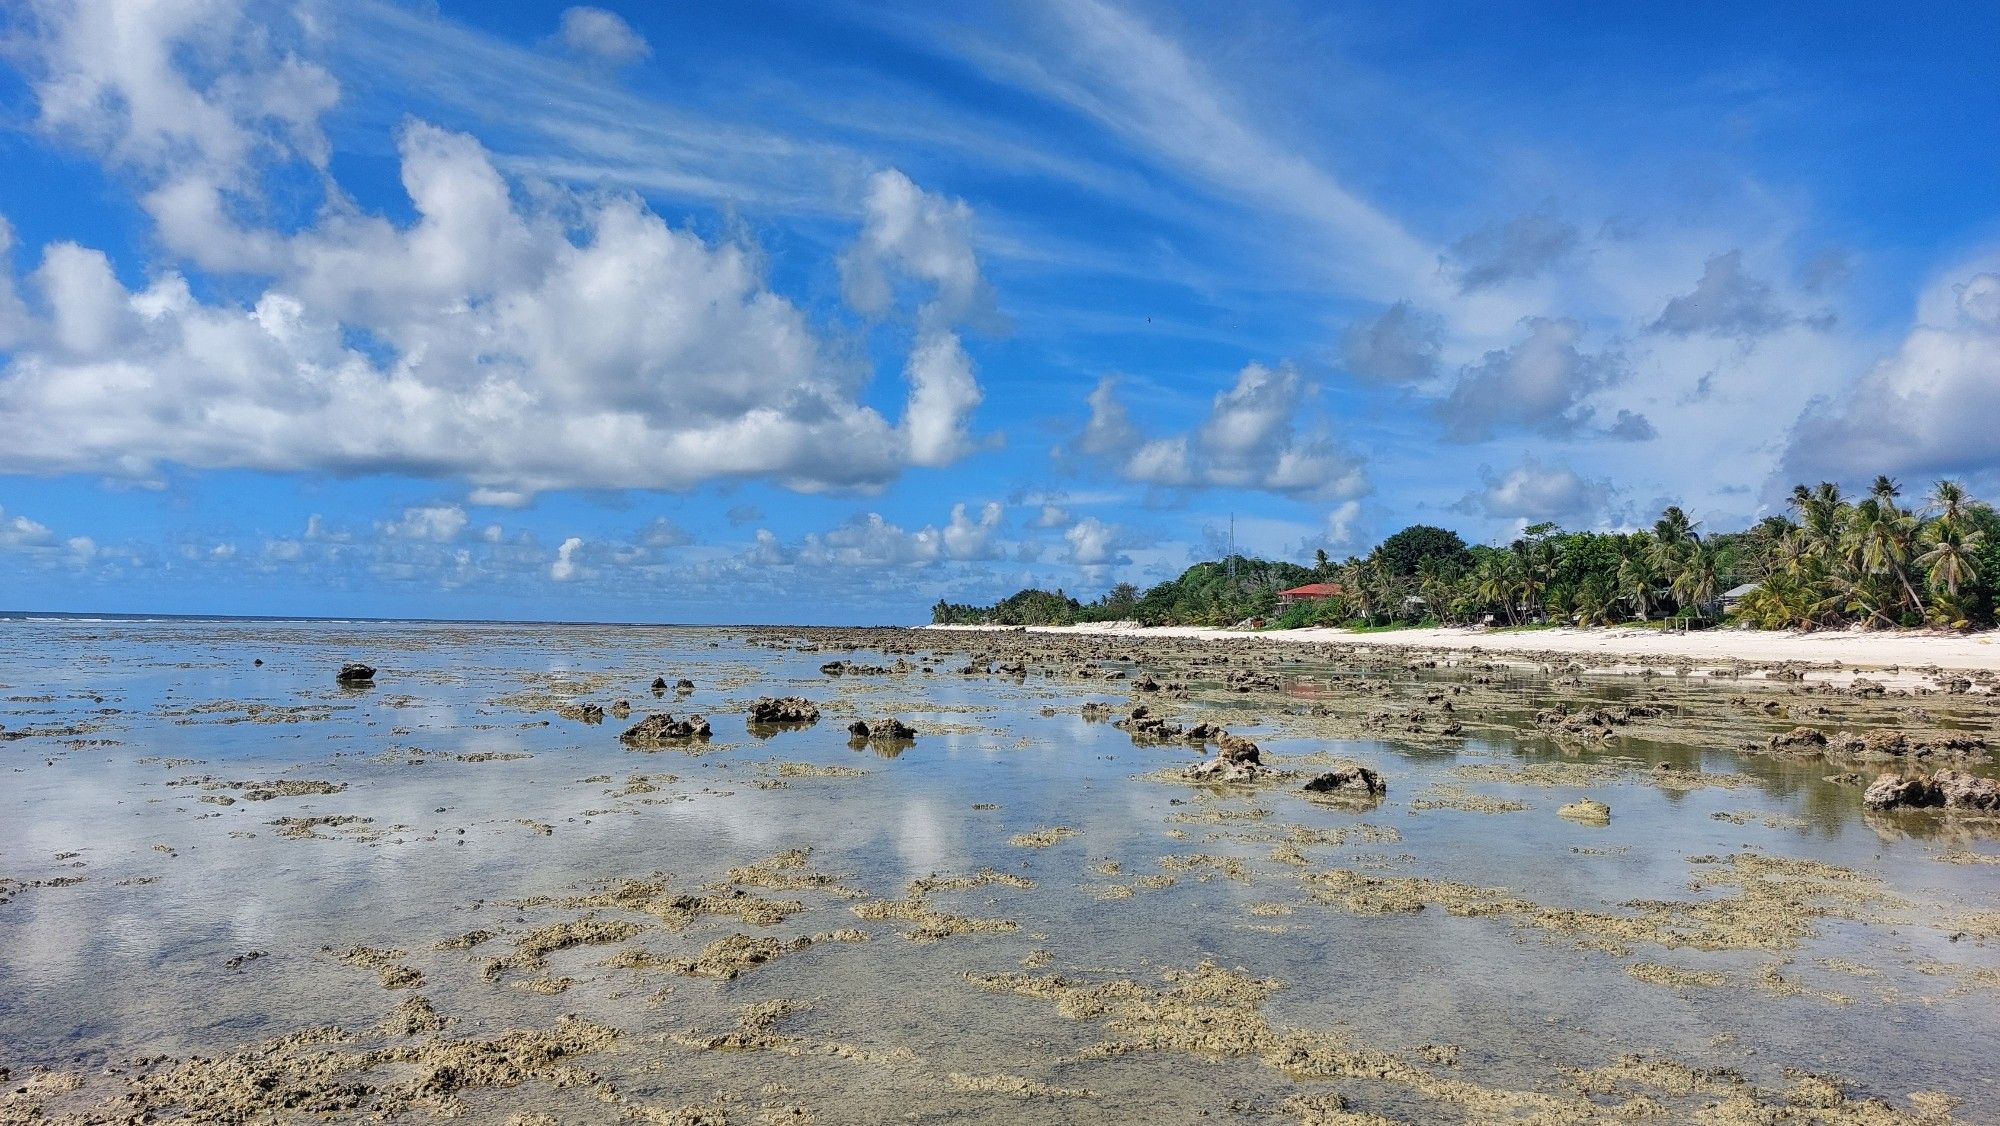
{"x": 1853, "y": 650}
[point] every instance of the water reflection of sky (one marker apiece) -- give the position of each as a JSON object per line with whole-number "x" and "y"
{"x": 121, "y": 968}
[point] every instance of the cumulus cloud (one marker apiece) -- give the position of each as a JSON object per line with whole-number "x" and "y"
{"x": 114, "y": 78}
{"x": 968, "y": 537}
{"x": 1340, "y": 524}
{"x": 663, "y": 533}
{"x": 437, "y": 523}
{"x": 39, "y": 544}
{"x": 1400, "y": 346}
{"x": 1248, "y": 440}
{"x": 1516, "y": 250}
{"x": 869, "y": 540}
{"x": 1631, "y": 426}
{"x": 1928, "y": 407}
{"x": 943, "y": 394}
{"x": 518, "y": 340}
{"x": 595, "y": 33}
{"x": 1539, "y": 385}
{"x": 565, "y": 568}
{"x": 1094, "y": 543}
{"x": 1726, "y": 301}
{"x": 1532, "y": 492}
{"x": 18, "y": 532}
{"x": 909, "y": 232}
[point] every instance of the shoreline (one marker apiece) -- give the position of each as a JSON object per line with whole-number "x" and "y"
{"x": 1900, "y": 654}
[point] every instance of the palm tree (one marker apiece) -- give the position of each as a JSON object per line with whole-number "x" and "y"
{"x": 1699, "y": 576}
{"x": 1637, "y": 580}
{"x": 1495, "y": 584}
{"x": 1949, "y": 501}
{"x": 1951, "y": 561}
{"x": 1882, "y": 538}
{"x": 1527, "y": 576}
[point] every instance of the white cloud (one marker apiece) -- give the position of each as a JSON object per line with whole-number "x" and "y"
{"x": 913, "y": 233}
{"x": 869, "y": 540}
{"x": 1521, "y": 248}
{"x": 598, "y": 34}
{"x": 18, "y": 532}
{"x": 663, "y": 533}
{"x": 968, "y": 538}
{"x": 439, "y": 523}
{"x": 943, "y": 394}
{"x": 520, "y": 337}
{"x": 564, "y": 568}
{"x": 499, "y": 498}
{"x": 115, "y": 78}
{"x": 1340, "y": 524}
{"x": 1539, "y": 384}
{"x": 640, "y": 357}
{"x": 1399, "y": 346}
{"x": 1094, "y": 543}
{"x": 1248, "y": 440}
{"x": 1726, "y": 301}
{"x": 1531, "y": 492}
{"x": 1142, "y": 85}
{"x": 1926, "y": 409}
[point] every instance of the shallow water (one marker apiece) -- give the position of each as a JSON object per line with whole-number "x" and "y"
{"x": 125, "y": 721}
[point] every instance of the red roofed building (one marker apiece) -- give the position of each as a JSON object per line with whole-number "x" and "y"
{"x": 1311, "y": 592}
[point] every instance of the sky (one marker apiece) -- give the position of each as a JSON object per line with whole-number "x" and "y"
{"x": 821, "y": 312}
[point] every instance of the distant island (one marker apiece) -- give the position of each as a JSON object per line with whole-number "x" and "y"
{"x": 1834, "y": 562}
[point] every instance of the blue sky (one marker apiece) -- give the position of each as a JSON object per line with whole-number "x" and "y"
{"x": 820, "y": 312}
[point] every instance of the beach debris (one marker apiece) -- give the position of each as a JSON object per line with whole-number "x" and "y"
{"x": 354, "y": 672}
{"x": 1586, "y": 811}
{"x": 773, "y": 710}
{"x": 662, "y": 727}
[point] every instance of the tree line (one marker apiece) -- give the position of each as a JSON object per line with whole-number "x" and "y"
{"x": 1830, "y": 562}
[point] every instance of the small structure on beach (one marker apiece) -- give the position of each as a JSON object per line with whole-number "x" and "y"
{"x": 1736, "y": 594}
{"x": 1311, "y": 592}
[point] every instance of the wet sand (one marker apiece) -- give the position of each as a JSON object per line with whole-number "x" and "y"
{"x": 232, "y": 892}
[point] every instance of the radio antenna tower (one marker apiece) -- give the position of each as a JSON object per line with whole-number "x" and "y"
{"x": 1232, "y": 545}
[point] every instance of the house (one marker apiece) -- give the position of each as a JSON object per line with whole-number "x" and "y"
{"x": 1736, "y": 594}
{"x": 1311, "y": 592}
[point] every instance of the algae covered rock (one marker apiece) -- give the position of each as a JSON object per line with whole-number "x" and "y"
{"x": 1586, "y": 812}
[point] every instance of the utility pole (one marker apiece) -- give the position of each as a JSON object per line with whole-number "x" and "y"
{"x": 1232, "y": 545}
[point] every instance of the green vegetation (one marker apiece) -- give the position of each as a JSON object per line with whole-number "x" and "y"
{"x": 1833, "y": 562}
